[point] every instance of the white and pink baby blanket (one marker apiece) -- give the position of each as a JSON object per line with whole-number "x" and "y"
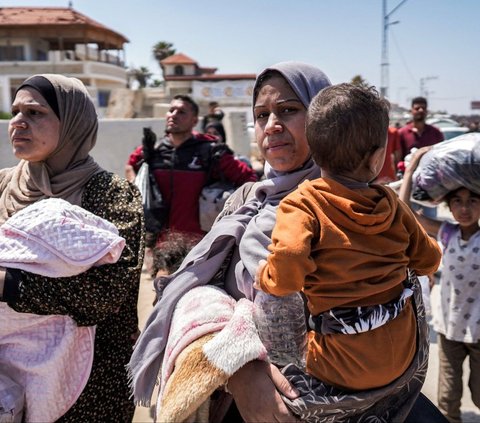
{"x": 50, "y": 356}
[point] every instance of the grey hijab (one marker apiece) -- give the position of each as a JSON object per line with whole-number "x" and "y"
{"x": 306, "y": 80}
{"x": 248, "y": 230}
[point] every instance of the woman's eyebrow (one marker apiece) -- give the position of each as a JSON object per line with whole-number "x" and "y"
{"x": 31, "y": 103}
{"x": 286, "y": 100}
{"x": 282, "y": 100}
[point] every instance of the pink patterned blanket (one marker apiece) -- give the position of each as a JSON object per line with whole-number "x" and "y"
{"x": 50, "y": 356}
{"x": 211, "y": 337}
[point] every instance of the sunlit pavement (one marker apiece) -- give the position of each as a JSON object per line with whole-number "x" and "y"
{"x": 470, "y": 413}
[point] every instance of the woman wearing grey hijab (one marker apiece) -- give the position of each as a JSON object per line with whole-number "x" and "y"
{"x": 52, "y": 131}
{"x": 281, "y": 96}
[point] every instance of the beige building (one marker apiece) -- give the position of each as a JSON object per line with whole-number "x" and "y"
{"x": 184, "y": 75}
{"x": 59, "y": 40}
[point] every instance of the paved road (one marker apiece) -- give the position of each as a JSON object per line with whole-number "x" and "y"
{"x": 145, "y": 300}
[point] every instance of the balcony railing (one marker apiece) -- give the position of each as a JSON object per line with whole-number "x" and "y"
{"x": 87, "y": 69}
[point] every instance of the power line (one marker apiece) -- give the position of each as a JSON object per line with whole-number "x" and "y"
{"x": 414, "y": 80}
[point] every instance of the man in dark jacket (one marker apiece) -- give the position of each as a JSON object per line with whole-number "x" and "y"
{"x": 183, "y": 162}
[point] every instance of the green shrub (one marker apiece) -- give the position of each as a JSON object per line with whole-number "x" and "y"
{"x": 5, "y": 115}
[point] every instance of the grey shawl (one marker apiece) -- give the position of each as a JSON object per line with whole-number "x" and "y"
{"x": 249, "y": 229}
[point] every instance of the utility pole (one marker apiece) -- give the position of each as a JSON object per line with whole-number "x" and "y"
{"x": 384, "y": 63}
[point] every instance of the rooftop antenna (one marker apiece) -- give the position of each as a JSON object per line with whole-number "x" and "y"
{"x": 384, "y": 64}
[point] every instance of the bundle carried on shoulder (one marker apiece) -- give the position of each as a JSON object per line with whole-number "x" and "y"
{"x": 448, "y": 166}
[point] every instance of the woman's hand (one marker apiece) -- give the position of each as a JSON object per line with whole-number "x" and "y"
{"x": 256, "y": 388}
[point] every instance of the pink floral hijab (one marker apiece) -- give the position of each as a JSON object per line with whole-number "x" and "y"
{"x": 67, "y": 170}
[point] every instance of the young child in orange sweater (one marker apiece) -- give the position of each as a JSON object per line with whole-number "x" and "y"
{"x": 347, "y": 244}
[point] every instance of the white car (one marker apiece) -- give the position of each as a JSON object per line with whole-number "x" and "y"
{"x": 453, "y": 131}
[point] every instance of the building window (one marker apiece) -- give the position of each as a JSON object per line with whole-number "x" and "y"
{"x": 178, "y": 70}
{"x": 42, "y": 55}
{"x": 12, "y": 53}
{"x": 103, "y": 97}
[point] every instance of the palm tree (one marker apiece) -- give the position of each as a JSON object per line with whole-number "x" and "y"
{"x": 162, "y": 50}
{"x": 141, "y": 75}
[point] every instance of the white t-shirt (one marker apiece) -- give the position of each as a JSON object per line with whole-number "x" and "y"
{"x": 457, "y": 314}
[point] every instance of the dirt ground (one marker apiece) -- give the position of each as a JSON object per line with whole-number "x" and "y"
{"x": 145, "y": 300}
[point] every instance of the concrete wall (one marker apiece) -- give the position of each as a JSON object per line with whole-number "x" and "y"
{"x": 117, "y": 138}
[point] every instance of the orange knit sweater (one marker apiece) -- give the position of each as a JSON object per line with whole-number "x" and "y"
{"x": 347, "y": 248}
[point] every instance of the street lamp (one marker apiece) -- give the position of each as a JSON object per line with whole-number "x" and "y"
{"x": 384, "y": 64}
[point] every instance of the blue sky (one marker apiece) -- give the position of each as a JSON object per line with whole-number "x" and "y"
{"x": 435, "y": 40}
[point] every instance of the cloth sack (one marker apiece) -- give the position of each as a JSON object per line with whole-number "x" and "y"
{"x": 448, "y": 166}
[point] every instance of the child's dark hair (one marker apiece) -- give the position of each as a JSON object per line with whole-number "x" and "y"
{"x": 448, "y": 197}
{"x": 345, "y": 124}
{"x": 219, "y": 128}
{"x": 169, "y": 253}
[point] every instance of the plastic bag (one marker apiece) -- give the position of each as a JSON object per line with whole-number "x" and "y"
{"x": 211, "y": 202}
{"x": 154, "y": 208}
{"x": 448, "y": 166}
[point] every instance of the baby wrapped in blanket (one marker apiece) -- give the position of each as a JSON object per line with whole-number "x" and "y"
{"x": 50, "y": 356}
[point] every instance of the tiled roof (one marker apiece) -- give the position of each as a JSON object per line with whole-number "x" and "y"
{"x": 205, "y": 73}
{"x": 209, "y": 77}
{"x": 178, "y": 59}
{"x": 49, "y": 16}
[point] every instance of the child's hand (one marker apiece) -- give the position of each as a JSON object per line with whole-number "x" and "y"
{"x": 258, "y": 274}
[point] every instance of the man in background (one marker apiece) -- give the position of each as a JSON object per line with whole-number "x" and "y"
{"x": 215, "y": 114}
{"x": 182, "y": 163}
{"x": 417, "y": 133}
